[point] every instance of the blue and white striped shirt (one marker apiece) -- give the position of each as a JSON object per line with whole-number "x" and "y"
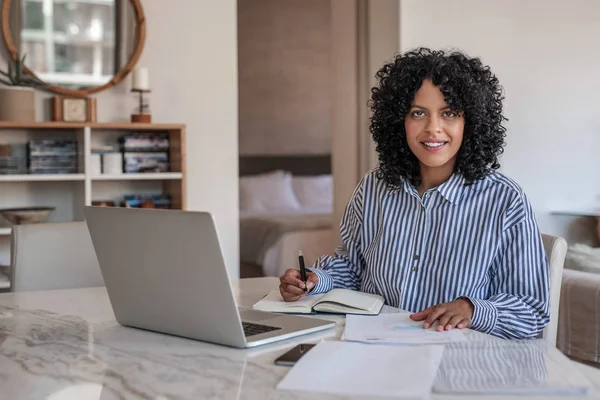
{"x": 480, "y": 241}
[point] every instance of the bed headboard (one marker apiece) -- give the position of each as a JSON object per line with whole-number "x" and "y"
{"x": 299, "y": 165}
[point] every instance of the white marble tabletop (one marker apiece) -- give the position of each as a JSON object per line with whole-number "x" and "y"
{"x": 66, "y": 344}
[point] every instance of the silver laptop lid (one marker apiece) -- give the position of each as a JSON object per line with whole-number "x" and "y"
{"x": 164, "y": 271}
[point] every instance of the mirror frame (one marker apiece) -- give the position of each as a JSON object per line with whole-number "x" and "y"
{"x": 139, "y": 38}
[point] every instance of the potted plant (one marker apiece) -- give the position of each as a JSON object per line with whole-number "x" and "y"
{"x": 17, "y": 93}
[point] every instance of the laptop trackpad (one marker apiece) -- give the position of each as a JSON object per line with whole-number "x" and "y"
{"x": 251, "y": 315}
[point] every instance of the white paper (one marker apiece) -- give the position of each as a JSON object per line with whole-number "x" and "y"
{"x": 357, "y": 369}
{"x": 395, "y": 328}
{"x": 509, "y": 367}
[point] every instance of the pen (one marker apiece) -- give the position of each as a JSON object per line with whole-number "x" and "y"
{"x": 302, "y": 268}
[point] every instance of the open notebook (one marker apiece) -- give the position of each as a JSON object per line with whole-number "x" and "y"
{"x": 338, "y": 301}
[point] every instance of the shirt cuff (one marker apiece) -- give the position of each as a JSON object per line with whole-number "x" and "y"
{"x": 485, "y": 315}
{"x": 325, "y": 282}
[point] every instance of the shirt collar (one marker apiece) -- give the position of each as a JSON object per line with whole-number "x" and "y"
{"x": 452, "y": 190}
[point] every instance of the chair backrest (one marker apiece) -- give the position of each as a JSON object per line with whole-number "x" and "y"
{"x": 556, "y": 251}
{"x": 52, "y": 256}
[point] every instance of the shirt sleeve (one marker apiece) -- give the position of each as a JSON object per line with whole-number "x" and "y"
{"x": 518, "y": 305}
{"x": 344, "y": 268}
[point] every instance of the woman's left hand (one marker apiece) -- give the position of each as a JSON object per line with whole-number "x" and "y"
{"x": 455, "y": 314}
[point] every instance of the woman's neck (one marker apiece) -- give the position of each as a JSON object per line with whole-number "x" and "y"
{"x": 432, "y": 177}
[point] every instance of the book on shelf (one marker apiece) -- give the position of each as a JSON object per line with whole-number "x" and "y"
{"x": 145, "y": 153}
{"x": 52, "y": 156}
{"x": 144, "y": 142}
{"x": 138, "y": 200}
{"x": 145, "y": 162}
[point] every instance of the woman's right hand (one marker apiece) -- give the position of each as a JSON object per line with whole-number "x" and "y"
{"x": 291, "y": 286}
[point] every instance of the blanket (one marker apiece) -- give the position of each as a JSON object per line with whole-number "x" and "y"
{"x": 259, "y": 233}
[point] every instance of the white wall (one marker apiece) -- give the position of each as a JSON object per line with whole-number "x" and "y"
{"x": 546, "y": 55}
{"x": 191, "y": 52}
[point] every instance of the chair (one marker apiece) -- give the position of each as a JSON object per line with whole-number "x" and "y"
{"x": 53, "y": 256}
{"x": 556, "y": 251}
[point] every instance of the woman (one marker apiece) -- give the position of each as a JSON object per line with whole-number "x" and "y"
{"x": 435, "y": 229}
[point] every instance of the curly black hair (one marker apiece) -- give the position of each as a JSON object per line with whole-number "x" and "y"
{"x": 468, "y": 87}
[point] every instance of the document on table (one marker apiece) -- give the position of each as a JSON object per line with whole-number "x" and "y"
{"x": 508, "y": 367}
{"x": 358, "y": 369}
{"x": 395, "y": 328}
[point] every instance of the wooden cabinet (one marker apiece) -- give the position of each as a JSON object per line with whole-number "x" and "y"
{"x": 68, "y": 193}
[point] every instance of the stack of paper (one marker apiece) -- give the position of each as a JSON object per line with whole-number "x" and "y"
{"x": 358, "y": 369}
{"x": 508, "y": 367}
{"x": 395, "y": 329}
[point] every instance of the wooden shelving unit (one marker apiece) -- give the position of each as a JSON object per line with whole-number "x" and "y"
{"x": 42, "y": 177}
{"x": 70, "y": 192}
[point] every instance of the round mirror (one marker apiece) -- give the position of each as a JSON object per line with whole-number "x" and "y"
{"x": 77, "y": 47}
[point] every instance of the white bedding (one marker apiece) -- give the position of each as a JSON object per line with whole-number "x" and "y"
{"x": 281, "y": 214}
{"x": 284, "y": 254}
{"x": 273, "y": 241}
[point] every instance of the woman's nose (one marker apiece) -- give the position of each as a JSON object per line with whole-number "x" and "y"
{"x": 434, "y": 124}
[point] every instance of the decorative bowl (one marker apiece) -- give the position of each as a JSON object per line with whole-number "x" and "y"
{"x": 27, "y": 215}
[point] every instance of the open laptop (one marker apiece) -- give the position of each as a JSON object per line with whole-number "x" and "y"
{"x": 164, "y": 272}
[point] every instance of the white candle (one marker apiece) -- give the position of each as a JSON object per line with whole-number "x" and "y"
{"x": 140, "y": 79}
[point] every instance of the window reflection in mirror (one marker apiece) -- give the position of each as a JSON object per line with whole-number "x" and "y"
{"x": 76, "y": 44}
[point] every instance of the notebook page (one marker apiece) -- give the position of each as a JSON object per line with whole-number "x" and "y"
{"x": 395, "y": 328}
{"x": 356, "y": 369}
{"x": 273, "y": 302}
{"x": 353, "y": 299}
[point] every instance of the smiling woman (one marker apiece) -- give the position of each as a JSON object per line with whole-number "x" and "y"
{"x": 435, "y": 229}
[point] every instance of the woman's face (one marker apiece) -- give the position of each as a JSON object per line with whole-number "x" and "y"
{"x": 434, "y": 132}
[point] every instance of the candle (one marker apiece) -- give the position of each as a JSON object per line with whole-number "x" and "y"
{"x": 140, "y": 79}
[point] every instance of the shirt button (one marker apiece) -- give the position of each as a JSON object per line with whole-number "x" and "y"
{"x": 414, "y": 269}
{"x": 416, "y": 257}
{"x": 426, "y": 195}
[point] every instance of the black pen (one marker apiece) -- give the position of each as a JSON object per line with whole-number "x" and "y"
{"x": 302, "y": 268}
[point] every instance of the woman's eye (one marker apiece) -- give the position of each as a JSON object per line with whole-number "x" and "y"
{"x": 417, "y": 113}
{"x": 449, "y": 114}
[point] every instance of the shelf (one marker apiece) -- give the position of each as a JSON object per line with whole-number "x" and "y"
{"x": 125, "y": 126}
{"x": 41, "y": 177}
{"x": 141, "y": 177}
{"x": 5, "y": 231}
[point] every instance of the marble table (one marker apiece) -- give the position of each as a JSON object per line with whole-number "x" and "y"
{"x": 66, "y": 344}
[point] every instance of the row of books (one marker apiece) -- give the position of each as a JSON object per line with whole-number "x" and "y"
{"x": 52, "y": 156}
{"x": 140, "y": 153}
{"x": 145, "y": 153}
{"x": 138, "y": 201}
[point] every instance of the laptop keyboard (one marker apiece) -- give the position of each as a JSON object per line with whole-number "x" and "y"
{"x": 251, "y": 329}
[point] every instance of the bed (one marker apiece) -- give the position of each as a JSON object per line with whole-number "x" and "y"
{"x": 286, "y": 205}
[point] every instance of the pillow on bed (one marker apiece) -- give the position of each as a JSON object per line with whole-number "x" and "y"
{"x": 271, "y": 192}
{"x": 314, "y": 192}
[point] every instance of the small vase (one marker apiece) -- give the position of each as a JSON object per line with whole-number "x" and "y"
{"x": 17, "y": 103}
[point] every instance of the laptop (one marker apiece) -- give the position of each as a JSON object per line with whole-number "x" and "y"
{"x": 164, "y": 272}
